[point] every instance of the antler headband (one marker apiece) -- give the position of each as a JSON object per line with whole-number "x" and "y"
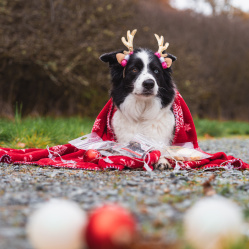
{"x": 166, "y": 62}
{"x": 123, "y": 58}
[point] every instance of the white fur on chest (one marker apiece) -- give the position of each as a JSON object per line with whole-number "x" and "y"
{"x": 144, "y": 116}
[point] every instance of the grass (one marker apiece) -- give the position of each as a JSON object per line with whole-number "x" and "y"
{"x": 214, "y": 128}
{"x": 40, "y": 132}
{"x": 43, "y": 131}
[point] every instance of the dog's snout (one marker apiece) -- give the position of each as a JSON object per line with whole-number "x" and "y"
{"x": 149, "y": 84}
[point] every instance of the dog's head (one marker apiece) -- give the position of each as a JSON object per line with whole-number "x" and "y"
{"x": 143, "y": 77}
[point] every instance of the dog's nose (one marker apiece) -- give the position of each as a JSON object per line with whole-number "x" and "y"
{"x": 148, "y": 84}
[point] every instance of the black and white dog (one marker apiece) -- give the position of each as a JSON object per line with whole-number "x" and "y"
{"x": 143, "y": 93}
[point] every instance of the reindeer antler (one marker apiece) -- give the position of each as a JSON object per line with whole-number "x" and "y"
{"x": 161, "y": 48}
{"x": 129, "y": 42}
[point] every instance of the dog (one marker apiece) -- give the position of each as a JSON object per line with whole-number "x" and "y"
{"x": 143, "y": 93}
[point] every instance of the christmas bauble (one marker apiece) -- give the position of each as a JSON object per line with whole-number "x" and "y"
{"x": 57, "y": 224}
{"x": 110, "y": 227}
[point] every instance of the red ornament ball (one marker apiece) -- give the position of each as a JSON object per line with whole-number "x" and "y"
{"x": 110, "y": 227}
{"x": 91, "y": 156}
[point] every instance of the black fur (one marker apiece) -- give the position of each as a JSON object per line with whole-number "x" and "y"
{"x": 123, "y": 86}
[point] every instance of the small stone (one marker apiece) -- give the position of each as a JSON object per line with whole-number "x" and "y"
{"x": 18, "y": 180}
{"x": 236, "y": 173}
{"x": 143, "y": 190}
{"x": 113, "y": 192}
{"x": 132, "y": 183}
{"x": 78, "y": 192}
{"x": 226, "y": 175}
{"x": 89, "y": 194}
{"x": 136, "y": 179}
{"x": 143, "y": 173}
{"x": 172, "y": 175}
{"x": 175, "y": 181}
{"x": 183, "y": 178}
{"x": 17, "y": 168}
{"x": 39, "y": 188}
{"x": 244, "y": 187}
{"x": 149, "y": 180}
{"x": 124, "y": 183}
{"x": 151, "y": 202}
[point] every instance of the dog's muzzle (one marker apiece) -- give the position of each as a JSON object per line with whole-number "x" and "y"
{"x": 148, "y": 87}
{"x": 148, "y": 84}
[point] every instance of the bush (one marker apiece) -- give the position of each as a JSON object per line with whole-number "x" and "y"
{"x": 49, "y": 54}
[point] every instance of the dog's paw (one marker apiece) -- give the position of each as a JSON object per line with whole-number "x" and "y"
{"x": 163, "y": 164}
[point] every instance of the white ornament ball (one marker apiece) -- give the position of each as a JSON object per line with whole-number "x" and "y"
{"x": 57, "y": 224}
{"x": 213, "y": 223}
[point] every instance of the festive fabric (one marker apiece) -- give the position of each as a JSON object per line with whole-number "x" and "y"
{"x": 67, "y": 156}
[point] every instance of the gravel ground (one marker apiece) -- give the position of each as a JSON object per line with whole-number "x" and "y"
{"x": 158, "y": 200}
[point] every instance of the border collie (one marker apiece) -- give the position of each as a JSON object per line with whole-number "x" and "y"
{"x": 143, "y": 93}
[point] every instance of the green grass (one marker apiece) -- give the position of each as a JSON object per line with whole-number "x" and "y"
{"x": 40, "y": 132}
{"x": 43, "y": 131}
{"x": 215, "y": 128}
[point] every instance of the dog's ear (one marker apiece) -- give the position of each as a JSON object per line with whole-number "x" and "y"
{"x": 169, "y": 59}
{"x": 110, "y": 57}
{"x": 172, "y": 57}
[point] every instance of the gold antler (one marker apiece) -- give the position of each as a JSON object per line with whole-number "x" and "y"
{"x": 161, "y": 48}
{"x": 129, "y": 42}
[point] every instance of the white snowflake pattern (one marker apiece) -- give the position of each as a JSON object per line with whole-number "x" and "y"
{"x": 109, "y": 126}
{"x": 198, "y": 162}
{"x": 96, "y": 125}
{"x": 187, "y": 127}
{"x": 131, "y": 163}
{"x": 178, "y": 117}
{"x": 122, "y": 160}
{"x": 28, "y": 158}
{"x": 58, "y": 150}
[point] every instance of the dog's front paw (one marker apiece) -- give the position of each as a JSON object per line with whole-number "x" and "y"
{"x": 163, "y": 164}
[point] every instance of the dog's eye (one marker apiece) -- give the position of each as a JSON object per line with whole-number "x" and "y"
{"x": 134, "y": 70}
{"x": 156, "y": 71}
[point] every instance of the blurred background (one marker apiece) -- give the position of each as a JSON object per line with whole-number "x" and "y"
{"x": 49, "y": 52}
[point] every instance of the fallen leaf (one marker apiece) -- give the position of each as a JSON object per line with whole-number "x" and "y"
{"x": 207, "y": 136}
{"x": 208, "y": 189}
{"x": 20, "y": 145}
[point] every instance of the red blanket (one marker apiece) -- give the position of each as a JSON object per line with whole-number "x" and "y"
{"x": 68, "y": 156}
